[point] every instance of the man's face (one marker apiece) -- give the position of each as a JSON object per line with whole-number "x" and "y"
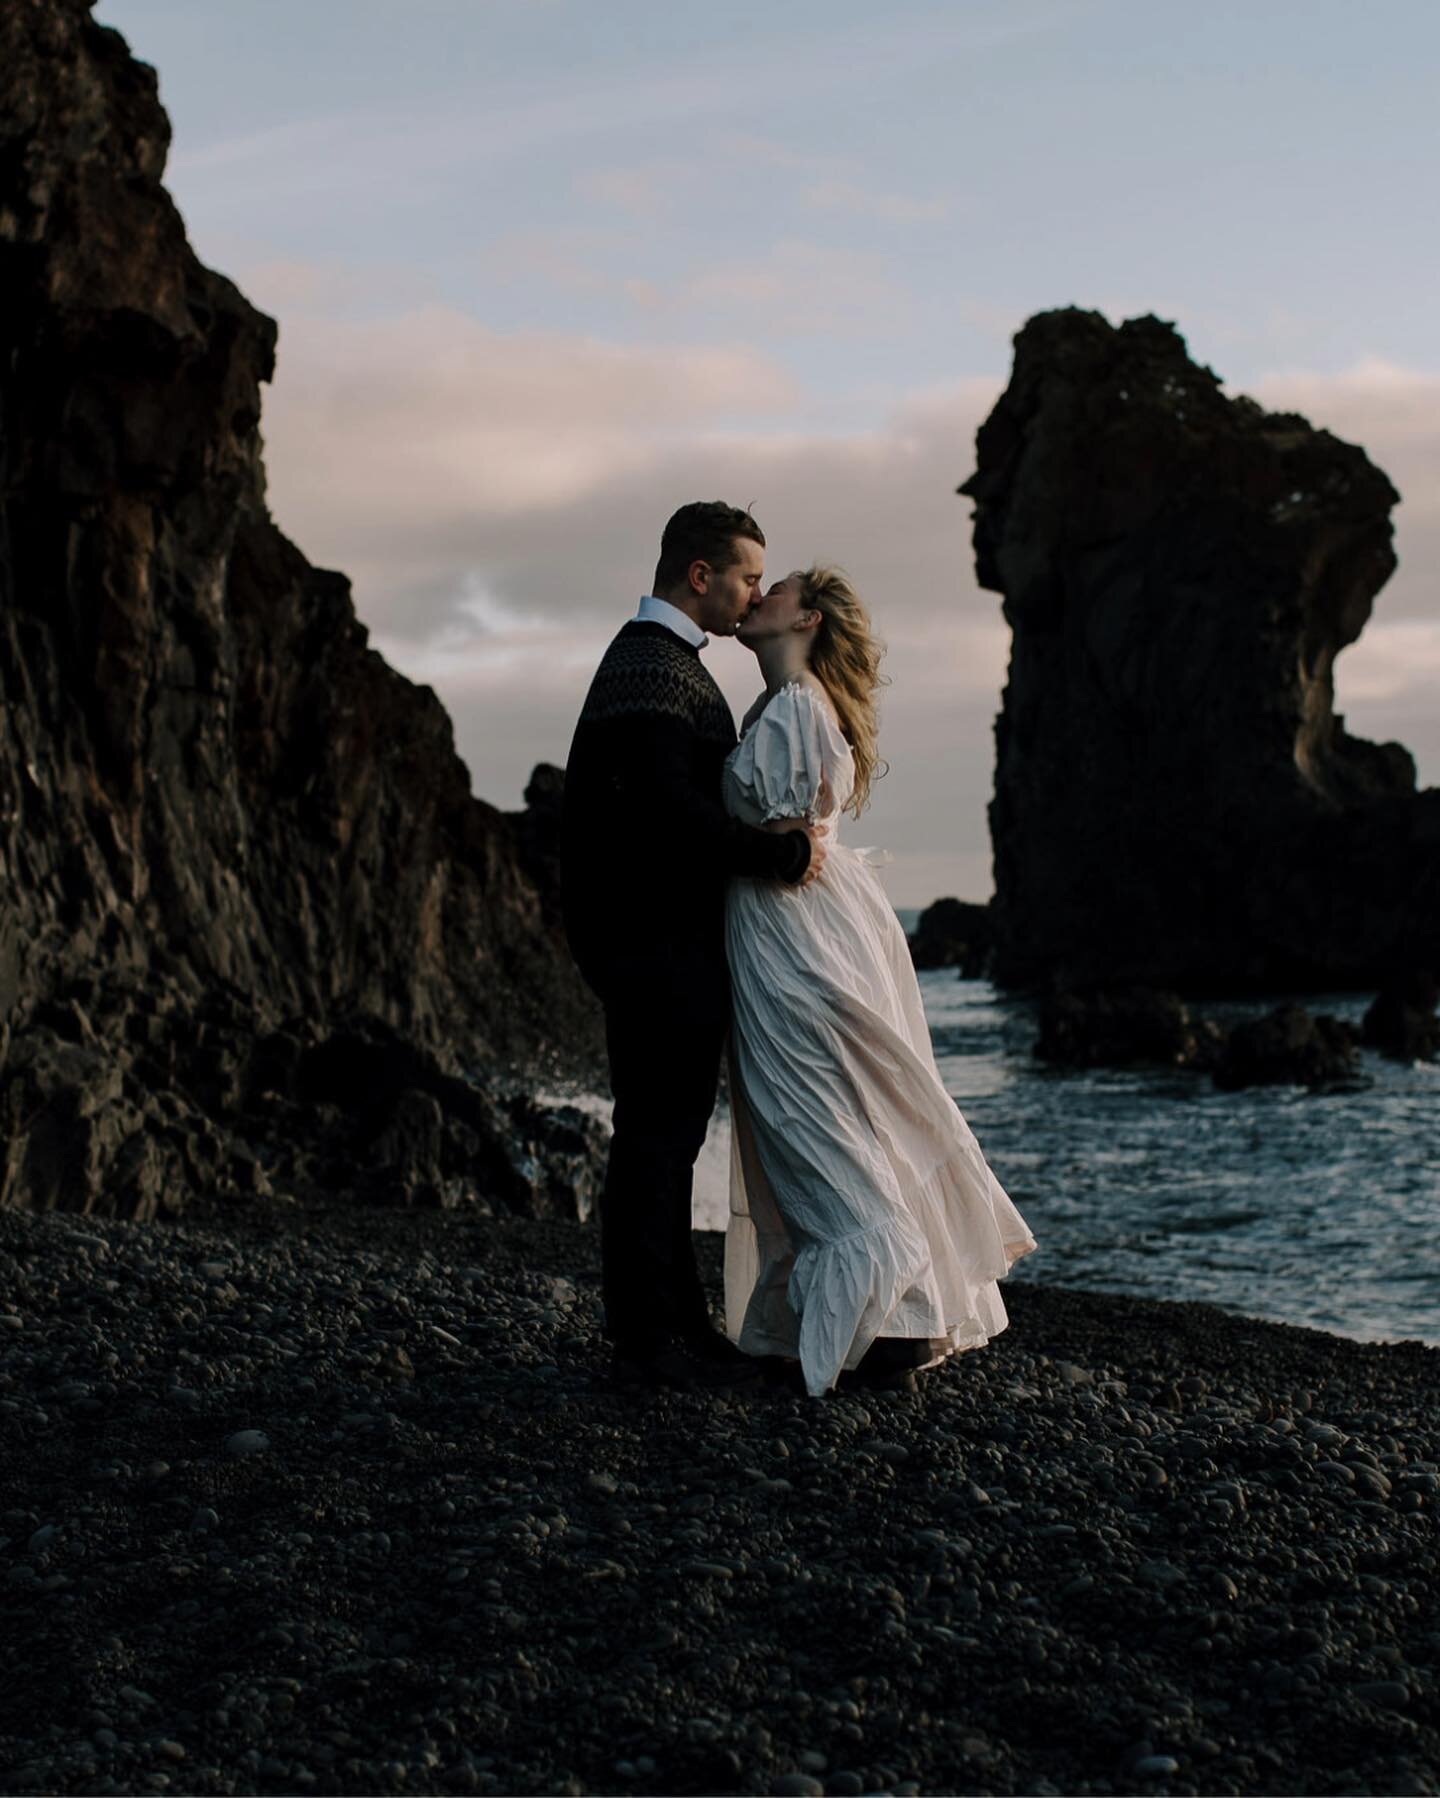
{"x": 773, "y": 613}
{"x": 730, "y": 592}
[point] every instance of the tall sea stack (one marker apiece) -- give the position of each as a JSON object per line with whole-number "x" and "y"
{"x": 242, "y": 866}
{"x": 1176, "y": 802}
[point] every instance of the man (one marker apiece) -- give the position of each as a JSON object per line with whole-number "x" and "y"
{"x": 646, "y": 850}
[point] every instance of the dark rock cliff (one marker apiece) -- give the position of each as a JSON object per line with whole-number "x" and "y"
{"x": 1176, "y": 801}
{"x": 228, "y": 830}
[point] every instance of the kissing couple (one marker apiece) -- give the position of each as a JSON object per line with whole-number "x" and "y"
{"x": 709, "y": 900}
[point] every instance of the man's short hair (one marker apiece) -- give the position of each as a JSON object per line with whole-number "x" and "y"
{"x": 704, "y": 531}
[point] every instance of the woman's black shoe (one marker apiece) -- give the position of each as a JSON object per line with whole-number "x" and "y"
{"x": 782, "y": 1372}
{"x": 888, "y": 1365}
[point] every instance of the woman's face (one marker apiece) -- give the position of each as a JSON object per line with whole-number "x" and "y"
{"x": 776, "y": 611}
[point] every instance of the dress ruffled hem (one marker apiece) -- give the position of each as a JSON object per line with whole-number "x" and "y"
{"x": 824, "y": 1303}
{"x": 845, "y": 1290}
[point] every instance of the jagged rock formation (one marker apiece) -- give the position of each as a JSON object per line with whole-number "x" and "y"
{"x": 1176, "y": 802}
{"x": 225, "y": 823}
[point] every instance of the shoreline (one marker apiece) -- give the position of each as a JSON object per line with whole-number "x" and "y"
{"x": 1129, "y": 1545}
{"x": 1280, "y": 1224}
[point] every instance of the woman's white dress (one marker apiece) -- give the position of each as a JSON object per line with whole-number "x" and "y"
{"x": 860, "y": 1203}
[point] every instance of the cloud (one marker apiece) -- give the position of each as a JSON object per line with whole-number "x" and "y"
{"x": 1373, "y": 397}
{"x": 773, "y": 153}
{"x": 836, "y": 181}
{"x": 1393, "y": 660}
{"x": 1394, "y": 414}
{"x": 379, "y": 151}
{"x": 291, "y": 289}
{"x": 574, "y": 259}
{"x": 498, "y": 499}
{"x": 646, "y": 191}
{"x": 864, "y": 202}
{"x": 1387, "y": 685}
{"x": 796, "y": 288}
{"x": 292, "y": 141}
{"x": 396, "y": 447}
{"x": 791, "y": 287}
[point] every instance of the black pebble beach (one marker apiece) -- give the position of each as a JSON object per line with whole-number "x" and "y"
{"x": 322, "y": 1501}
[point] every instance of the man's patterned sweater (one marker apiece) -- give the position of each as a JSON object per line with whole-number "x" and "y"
{"x": 647, "y": 846}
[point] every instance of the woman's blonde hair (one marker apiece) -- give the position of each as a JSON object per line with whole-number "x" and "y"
{"x": 846, "y": 656}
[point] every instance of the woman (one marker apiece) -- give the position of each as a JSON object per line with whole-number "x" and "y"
{"x": 863, "y": 1214}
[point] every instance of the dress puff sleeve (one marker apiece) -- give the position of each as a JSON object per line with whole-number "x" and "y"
{"x": 795, "y": 759}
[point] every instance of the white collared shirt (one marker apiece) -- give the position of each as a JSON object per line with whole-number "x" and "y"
{"x": 660, "y": 611}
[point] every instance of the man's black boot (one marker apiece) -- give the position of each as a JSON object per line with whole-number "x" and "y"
{"x": 685, "y": 1363}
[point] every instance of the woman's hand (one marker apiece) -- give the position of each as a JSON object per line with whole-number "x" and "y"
{"x": 817, "y": 855}
{"x": 817, "y": 845}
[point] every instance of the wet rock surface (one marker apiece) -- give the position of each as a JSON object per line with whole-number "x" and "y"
{"x": 1141, "y": 1027}
{"x": 228, "y": 829}
{"x": 1176, "y": 802}
{"x": 1124, "y": 1027}
{"x": 953, "y": 933}
{"x": 1401, "y": 1021}
{"x": 115, "y": 1102}
{"x": 1288, "y": 1046}
{"x": 335, "y": 1502}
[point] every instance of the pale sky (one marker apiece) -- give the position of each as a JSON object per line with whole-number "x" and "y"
{"x": 545, "y": 270}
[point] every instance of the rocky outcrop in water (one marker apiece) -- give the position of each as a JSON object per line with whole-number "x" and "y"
{"x": 1290, "y": 1046}
{"x": 1138, "y": 1027}
{"x": 953, "y": 933}
{"x": 1401, "y": 1021}
{"x": 1124, "y": 1027}
{"x": 229, "y": 832}
{"x": 1176, "y": 802}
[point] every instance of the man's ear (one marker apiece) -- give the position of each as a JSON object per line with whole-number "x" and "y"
{"x": 699, "y": 574}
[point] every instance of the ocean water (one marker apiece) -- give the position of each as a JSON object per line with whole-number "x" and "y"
{"x": 1315, "y": 1209}
{"x": 1304, "y": 1208}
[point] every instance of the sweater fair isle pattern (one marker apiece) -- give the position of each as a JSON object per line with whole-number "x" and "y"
{"x": 650, "y": 669}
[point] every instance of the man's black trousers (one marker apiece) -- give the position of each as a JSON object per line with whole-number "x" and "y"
{"x": 666, "y": 1019}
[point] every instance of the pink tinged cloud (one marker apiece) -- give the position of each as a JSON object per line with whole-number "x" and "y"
{"x": 497, "y": 500}
{"x": 1388, "y": 683}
